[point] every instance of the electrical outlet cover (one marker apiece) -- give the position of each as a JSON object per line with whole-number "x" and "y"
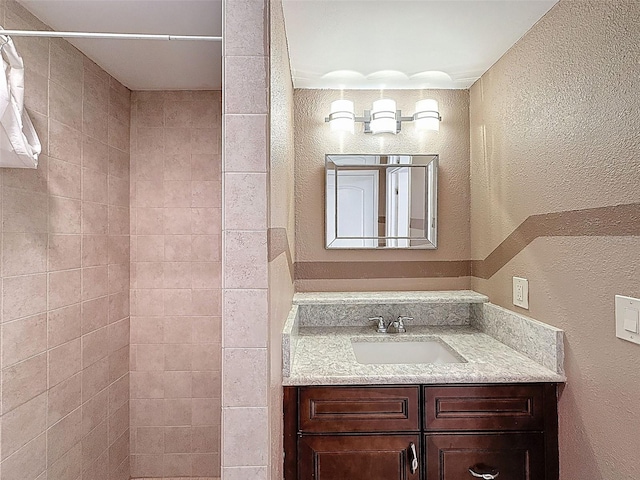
{"x": 521, "y": 292}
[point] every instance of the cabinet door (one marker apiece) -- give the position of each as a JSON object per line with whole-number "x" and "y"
{"x": 508, "y": 456}
{"x": 357, "y": 457}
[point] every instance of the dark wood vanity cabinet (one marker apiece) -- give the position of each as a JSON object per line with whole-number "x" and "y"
{"x": 457, "y": 432}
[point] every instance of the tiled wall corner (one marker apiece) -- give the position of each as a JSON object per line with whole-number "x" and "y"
{"x": 245, "y": 449}
{"x": 65, "y": 272}
{"x": 176, "y": 284}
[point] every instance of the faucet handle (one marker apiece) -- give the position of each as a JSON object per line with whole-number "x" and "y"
{"x": 401, "y": 320}
{"x": 382, "y": 328}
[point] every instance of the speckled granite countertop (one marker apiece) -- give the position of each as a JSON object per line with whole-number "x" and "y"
{"x": 323, "y": 356}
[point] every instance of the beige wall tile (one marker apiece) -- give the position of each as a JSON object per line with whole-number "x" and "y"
{"x": 245, "y": 377}
{"x": 64, "y": 325}
{"x": 65, "y": 142}
{"x": 95, "y": 218}
{"x": 94, "y": 250}
{"x": 246, "y": 87}
{"x": 178, "y": 411}
{"x": 23, "y": 381}
{"x": 14, "y": 347}
{"x": 64, "y": 361}
{"x": 95, "y": 154}
{"x": 246, "y": 143}
{"x": 94, "y": 411}
{"x": 24, "y": 253}
{"x": 62, "y": 436}
{"x": 244, "y": 310}
{"x": 246, "y": 473}
{"x": 177, "y": 439}
{"x": 246, "y": 260}
{"x": 64, "y": 179}
{"x": 93, "y": 346}
{"x": 94, "y": 186}
{"x": 64, "y": 252}
{"x": 95, "y": 123}
{"x": 95, "y": 282}
{"x": 149, "y": 440}
{"x": 23, "y": 211}
{"x": 95, "y": 378}
{"x": 65, "y": 216}
{"x": 28, "y": 462}
{"x": 23, "y": 424}
{"x": 64, "y": 398}
{"x": 245, "y": 31}
{"x": 147, "y": 412}
{"x": 245, "y": 430}
{"x": 246, "y": 201}
{"x": 178, "y": 167}
{"x": 64, "y": 288}
{"x": 67, "y": 467}
{"x": 95, "y": 314}
{"x": 64, "y": 106}
{"x": 93, "y": 444}
{"x": 177, "y": 465}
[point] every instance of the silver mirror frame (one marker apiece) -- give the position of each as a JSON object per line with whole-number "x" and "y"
{"x": 428, "y": 239}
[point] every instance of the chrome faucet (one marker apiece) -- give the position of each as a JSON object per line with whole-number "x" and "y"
{"x": 397, "y": 324}
{"x": 382, "y": 328}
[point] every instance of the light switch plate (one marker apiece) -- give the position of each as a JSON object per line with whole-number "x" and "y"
{"x": 628, "y": 318}
{"x": 521, "y": 292}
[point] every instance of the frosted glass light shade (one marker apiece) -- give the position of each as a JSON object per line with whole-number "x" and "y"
{"x": 342, "y": 116}
{"x": 383, "y": 117}
{"x": 427, "y": 116}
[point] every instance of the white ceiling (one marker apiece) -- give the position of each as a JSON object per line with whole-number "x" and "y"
{"x": 144, "y": 64}
{"x": 373, "y": 44}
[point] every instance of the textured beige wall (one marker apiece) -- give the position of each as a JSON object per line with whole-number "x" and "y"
{"x": 65, "y": 271}
{"x": 281, "y": 220}
{"x": 555, "y": 125}
{"x": 314, "y": 139}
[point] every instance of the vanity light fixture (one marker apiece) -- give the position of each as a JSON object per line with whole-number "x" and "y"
{"x": 383, "y": 116}
{"x": 342, "y": 117}
{"x": 427, "y": 116}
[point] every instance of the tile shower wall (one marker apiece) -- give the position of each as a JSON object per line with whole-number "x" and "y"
{"x": 176, "y": 284}
{"x": 246, "y": 404}
{"x": 65, "y": 272}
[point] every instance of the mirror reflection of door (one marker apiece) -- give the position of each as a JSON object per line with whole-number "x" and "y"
{"x": 398, "y": 210}
{"x": 354, "y": 223}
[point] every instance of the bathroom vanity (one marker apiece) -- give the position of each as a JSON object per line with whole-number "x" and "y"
{"x": 443, "y": 432}
{"x": 487, "y": 411}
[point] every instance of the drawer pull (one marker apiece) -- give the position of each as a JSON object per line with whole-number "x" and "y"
{"x": 485, "y": 476}
{"x": 414, "y": 458}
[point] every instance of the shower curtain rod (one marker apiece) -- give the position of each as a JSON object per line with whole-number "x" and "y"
{"x": 112, "y": 36}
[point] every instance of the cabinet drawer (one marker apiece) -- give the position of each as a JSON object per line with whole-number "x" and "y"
{"x": 358, "y": 409}
{"x": 494, "y": 407}
{"x": 358, "y": 457}
{"x": 509, "y": 456}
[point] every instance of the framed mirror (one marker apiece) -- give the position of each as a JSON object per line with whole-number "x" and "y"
{"x": 381, "y": 201}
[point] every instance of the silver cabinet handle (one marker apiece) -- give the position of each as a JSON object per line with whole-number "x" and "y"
{"x": 484, "y": 476}
{"x": 414, "y": 458}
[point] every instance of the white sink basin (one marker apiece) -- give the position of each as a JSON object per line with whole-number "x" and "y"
{"x": 406, "y": 351}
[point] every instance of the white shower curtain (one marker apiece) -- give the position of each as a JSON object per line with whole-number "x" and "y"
{"x": 19, "y": 144}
